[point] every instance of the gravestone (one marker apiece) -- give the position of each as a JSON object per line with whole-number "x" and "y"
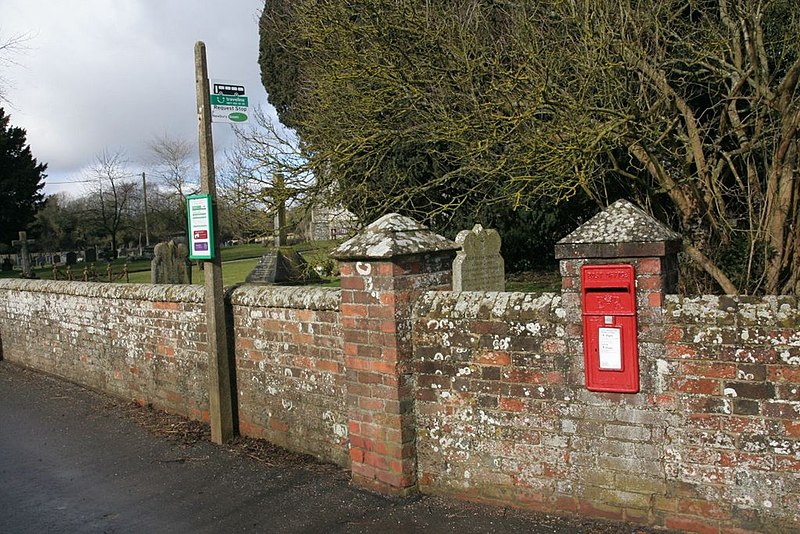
{"x": 7, "y": 265}
{"x": 24, "y": 254}
{"x": 71, "y": 258}
{"x": 56, "y": 259}
{"x": 478, "y": 265}
{"x": 169, "y": 263}
{"x": 282, "y": 266}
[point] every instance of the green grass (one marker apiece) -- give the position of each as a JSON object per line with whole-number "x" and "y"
{"x": 534, "y": 282}
{"x": 237, "y": 262}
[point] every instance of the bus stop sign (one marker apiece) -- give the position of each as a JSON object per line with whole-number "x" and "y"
{"x": 229, "y": 102}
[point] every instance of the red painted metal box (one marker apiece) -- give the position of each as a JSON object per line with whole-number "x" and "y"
{"x": 611, "y": 357}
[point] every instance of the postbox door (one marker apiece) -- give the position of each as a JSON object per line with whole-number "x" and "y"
{"x": 611, "y": 358}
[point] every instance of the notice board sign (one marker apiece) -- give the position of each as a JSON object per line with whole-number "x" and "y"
{"x": 201, "y": 227}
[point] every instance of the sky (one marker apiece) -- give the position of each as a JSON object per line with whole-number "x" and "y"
{"x": 113, "y": 75}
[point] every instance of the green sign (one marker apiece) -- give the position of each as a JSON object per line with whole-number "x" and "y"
{"x": 229, "y": 101}
{"x": 225, "y": 100}
{"x": 201, "y": 227}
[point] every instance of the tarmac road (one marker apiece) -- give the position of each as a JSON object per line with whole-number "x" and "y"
{"x": 75, "y": 461}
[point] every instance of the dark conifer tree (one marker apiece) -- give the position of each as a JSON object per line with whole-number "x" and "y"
{"x": 21, "y": 180}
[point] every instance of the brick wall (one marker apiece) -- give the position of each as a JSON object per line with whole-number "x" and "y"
{"x": 711, "y": 443}
{"x": 495, "y": 387}
{"x": 734, "y": 376}
{"x": 290, "y": 369}
{"x": 148, "y": 343}
{"x": 140, "y": 342}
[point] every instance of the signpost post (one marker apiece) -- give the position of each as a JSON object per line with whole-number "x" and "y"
{"x": 219, "y": 355}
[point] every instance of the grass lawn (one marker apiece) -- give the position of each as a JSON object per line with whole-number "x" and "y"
{"x": 233, "y": 272}
{"x": 239, "y": 260}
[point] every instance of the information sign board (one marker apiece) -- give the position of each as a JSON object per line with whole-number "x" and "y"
{"x": 201, "y": 227}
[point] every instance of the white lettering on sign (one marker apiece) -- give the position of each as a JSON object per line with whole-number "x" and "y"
{"x": 610, "y": 348}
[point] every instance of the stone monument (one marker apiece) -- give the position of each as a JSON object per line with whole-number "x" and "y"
{"x": 478, "y": 265}
{"x": 25, "y": 254}
{"x": 169, "y": 263}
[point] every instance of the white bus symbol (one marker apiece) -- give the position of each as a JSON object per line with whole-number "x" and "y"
{"x": 229, "y": 90}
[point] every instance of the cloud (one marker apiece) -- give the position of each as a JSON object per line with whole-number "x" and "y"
{"x": 113, "y": 75}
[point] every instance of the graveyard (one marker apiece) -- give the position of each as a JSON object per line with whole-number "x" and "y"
{"x": 239, "y": 261}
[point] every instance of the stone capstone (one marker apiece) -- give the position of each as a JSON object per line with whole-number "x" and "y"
{"x": 620, "y": 230}
{"x": 390, "y": 236}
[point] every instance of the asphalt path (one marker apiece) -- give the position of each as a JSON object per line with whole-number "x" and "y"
{"x": 74, "y": 461}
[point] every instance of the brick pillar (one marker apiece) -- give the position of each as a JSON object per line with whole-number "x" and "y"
{"x": 383, "y": 270}
{"x": 623, "y": 233}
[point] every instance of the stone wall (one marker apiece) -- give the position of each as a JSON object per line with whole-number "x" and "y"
{"x": 148, "y": 343}
{"x": 140, "y": 342}
{"x": 711, "y": 442}
{"x": 290, "y": 368}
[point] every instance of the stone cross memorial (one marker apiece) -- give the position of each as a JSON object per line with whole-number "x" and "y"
{"x": 478, "y": 265}
{"x": 25, "y": 254}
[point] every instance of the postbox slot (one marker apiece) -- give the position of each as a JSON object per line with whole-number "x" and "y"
{"x": 607, "y": 290}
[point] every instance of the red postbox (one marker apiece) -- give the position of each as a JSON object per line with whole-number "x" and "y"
{"x": 610, "y": 350}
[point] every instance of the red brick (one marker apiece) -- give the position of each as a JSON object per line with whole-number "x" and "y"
{"x": 366, "y": 403}
{"x": 375, "y": 460}
{"x": 674, "y": 333}
{"x": 600, "y": 510}
{"x": 525, "y": 376}
{"x": 511, "y": 405}
{"x": 709, "y": 369}
{"x": 379, "y": 366}
{"x": 655, "y": 299}
{"x": 698, "y": 386}
{"x": 703, "y": 509}
{"x": 791, "y": 428}
{"x": 494, "y": 358}
{"x": 692, "y": 524}
{"x": 355, "y": 283}
{"x": 648, "y": 266}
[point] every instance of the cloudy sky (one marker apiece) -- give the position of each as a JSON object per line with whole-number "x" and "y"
{"x": 114, "y": 74}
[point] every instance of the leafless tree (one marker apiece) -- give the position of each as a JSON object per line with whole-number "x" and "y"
{"x": 109, "y": 194}
{"x": 10, "y": 48}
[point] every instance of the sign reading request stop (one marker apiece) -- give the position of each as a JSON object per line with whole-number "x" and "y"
{"x": 201, "y": 227}
{"x": 229, "y": 102}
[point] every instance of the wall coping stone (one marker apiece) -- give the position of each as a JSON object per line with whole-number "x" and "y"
{"x": 390, "y": 236}
{"x": 298, "y": 297}
{"x": 487, "y": 304}
{"x": 294, "y": 297}
{"x": 147, "y": 292}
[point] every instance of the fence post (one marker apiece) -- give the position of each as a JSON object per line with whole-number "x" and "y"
{"x": 383, "y": 270}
